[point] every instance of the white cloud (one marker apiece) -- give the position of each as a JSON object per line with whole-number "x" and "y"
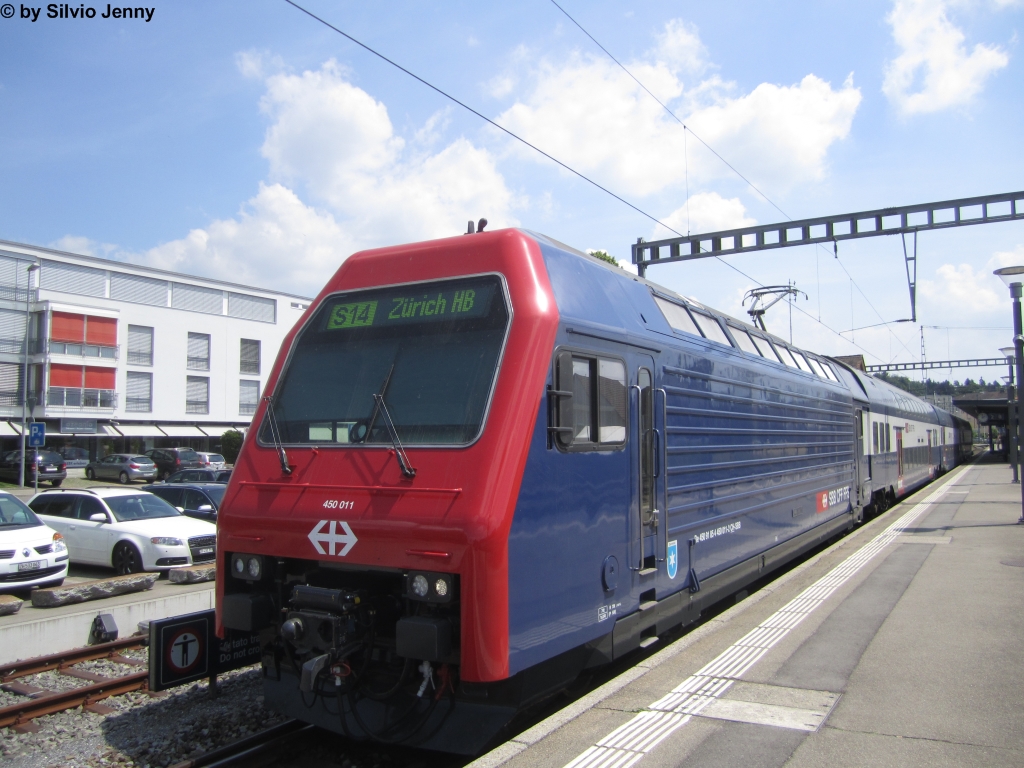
{"x": 590, "y": 114}
{"x": 366, "y": 186}
{"x": 708, "y": 212}
{"x": 963, "y": 290}
{"x": 934, "y": 70}
{"x": 87, "y": 247}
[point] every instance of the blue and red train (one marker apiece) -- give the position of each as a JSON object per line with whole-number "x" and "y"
{"x": 489, "y": 462}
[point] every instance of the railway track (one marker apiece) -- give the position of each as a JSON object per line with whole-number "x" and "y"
{"x": 247, "y": 748}
{"x": 42, "y": 701}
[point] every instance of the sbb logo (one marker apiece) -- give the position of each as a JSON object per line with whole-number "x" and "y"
{"x": 828, "y": 499}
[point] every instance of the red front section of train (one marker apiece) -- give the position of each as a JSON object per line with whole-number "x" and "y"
{"x": 453, "y": 517}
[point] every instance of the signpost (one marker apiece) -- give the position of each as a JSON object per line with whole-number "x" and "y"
{"x": 184, "y": 649}
{"x": 36, "y": 439}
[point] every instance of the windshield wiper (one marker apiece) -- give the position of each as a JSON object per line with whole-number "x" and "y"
{"x": 276, "y": 437}
{"x": 381, "y": 407}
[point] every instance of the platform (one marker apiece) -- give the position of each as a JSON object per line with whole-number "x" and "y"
{"x": 903, "y": 644}
{"x": 40, "y": 631}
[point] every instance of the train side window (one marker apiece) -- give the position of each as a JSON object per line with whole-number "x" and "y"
{"x": 815, "y": 367}
{"x": 874, "y": 437}
{"x": 611, "y": 387}
{"x": 744, "y": 340}
{"x": 768, "y": 348}
{"x": 801, "y": 361}
{"x": 589, "y": 402}
{"x": 712, "y": 330}
{"x": 828, "y": 371}
{"x": 787, "y": 357}
{"x": 582, "y": 402}
{"x": 888, "y": 438}
{"x": 677, "y": 317}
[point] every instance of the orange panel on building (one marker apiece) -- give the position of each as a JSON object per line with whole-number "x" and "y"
{"x": 65, "y": 326}
{"x": 65, "y": 376}
{"x": 101, "y": 331}
{"x": 99, "y": 378}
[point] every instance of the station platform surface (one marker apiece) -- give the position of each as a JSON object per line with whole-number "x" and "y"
{"x": 901, "y": 645}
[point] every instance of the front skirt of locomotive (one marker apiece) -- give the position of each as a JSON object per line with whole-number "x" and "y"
{"x": 446, "y": 723}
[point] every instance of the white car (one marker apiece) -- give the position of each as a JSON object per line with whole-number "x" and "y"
{"x": 31, "y": 553}
{"x": 212, "y": 460}
{"x": 128, "y": 529}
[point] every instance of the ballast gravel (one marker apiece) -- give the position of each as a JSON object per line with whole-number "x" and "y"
{"x": 144, "y": 730}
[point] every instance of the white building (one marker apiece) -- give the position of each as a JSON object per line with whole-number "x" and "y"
{"x": 125, "y": 358}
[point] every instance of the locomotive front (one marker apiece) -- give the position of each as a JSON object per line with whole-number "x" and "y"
{"x": 364, "y": 533}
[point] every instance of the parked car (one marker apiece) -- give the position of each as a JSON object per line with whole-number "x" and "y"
{"x": 126, "y": 528}
{"x": 199, "y": 476}
{"x": 170, "y": 460}
{"x": 123, "y": 467}
{"x": 199, "y": 500}
{"x": 51, "y": 466}
{"x": 31, "y": 553}
{"x": 212, "y": 460}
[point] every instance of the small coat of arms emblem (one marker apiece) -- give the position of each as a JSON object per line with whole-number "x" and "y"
{"x": 673, "y": 559}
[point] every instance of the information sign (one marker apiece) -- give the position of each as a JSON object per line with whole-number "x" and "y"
{"x": 36, "y": 434}
{"x": 184, "y": 649}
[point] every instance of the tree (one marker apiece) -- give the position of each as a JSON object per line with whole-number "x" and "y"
{"x": 605, "y": 256}
{"x": 230, "y": 445}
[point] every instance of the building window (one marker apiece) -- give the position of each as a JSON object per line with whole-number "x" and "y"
{"x": 250, "y": 359}
{"x": 199, "y": 352}
{"x": 248, "y": 397}
{"x": 140, "y": 345}
{"x": 10, "y": 383}
{"x": 83, "y": 335}
{"x": 197, "y": 392}
{"x": 140, "y": 392}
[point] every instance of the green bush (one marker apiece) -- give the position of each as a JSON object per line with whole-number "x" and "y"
{"x": 230, "y": 445}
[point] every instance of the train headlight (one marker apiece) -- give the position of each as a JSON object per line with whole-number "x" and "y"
{"x": 420, "y": 585}
{"x": 248, "y": 567}
{"x": 430, "y": 587}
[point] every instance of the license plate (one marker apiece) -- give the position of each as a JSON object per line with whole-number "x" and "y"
{"x": 49, "y": 469}
{"x": 206, "y": 551}
{"x": 30, "y": 566}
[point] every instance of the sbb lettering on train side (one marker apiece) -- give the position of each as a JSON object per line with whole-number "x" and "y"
{"x": 828, "y": 499}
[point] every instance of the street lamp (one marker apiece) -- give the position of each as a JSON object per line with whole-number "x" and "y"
{"x": 1013, "y": 277}
{"x": 1011, "y": 420}
{"x": 24, "y": 373}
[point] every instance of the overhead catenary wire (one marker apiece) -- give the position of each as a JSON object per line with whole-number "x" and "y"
{"x": 553, "y": 159}
{"x": 687, "y": 129}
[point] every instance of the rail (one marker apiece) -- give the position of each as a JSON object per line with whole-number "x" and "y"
{"x": 40, "y": 701}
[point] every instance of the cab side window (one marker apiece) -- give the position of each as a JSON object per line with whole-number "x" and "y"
{"x": 589, "y": 402}
{"x": 194, "y": 499}
{"x": 63, "y": 506}
{"x": 89, "y": 506}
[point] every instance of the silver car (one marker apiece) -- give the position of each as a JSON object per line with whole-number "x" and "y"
{"x": 123, "y": 467}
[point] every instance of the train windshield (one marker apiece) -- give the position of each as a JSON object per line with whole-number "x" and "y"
{"x": 430, "y": 351}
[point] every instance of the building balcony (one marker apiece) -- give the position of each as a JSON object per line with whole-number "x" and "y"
{"x": 246, "y": 409}
{"x": 197, "y": 406}
{"x": 81, "y": 399}
{"x": 82, "y": 350}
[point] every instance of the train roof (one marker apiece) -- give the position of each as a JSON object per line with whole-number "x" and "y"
{"x": 875, "y": 391}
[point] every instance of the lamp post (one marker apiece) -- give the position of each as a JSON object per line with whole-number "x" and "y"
{"x": 24, "y": 372}
{"x": 1011, "y": 414}
{"x": 1013, "y": 277}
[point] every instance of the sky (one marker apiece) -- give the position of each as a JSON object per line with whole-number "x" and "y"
{"x": 252, "y": 143}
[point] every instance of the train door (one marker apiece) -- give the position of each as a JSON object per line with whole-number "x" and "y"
{"x": 649, "y": 524}
{"x": 861, "y": 465}
{"x": 899, "y": 459}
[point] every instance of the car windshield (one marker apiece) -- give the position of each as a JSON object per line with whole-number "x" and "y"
{"x": 142, "y": 506}
{"x": 216, "y": 457}
{"x": 50, "y": 458}
{"x": 433, "y": 350}
{"x": 14, "y": 513}
{"x": 142, "y": 459}
{"x": 187, "y": 454}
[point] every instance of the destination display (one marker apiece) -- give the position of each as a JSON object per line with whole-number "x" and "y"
{"x": 447, "y": 301}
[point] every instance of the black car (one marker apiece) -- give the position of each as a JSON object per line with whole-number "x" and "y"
{"x": 199, "y": 500}
{"x": 52, "y": 468}
{"x": 200, "y": 476}
{"x": 170, "y": 460}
